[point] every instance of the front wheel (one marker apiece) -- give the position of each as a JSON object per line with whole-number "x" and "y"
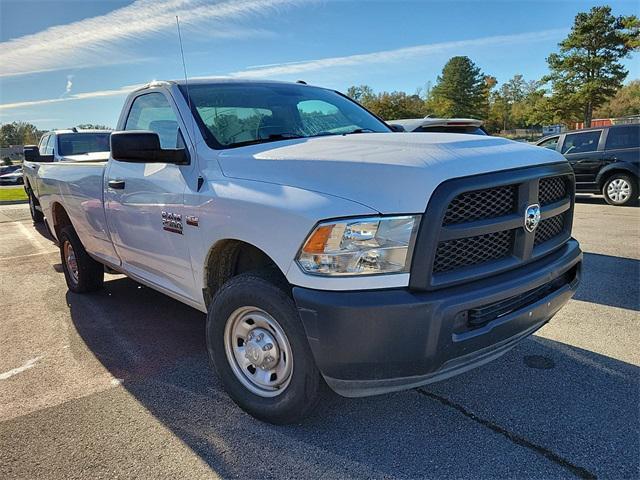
{"x": 620, "y": 189}
{"x": 259, "y": 348}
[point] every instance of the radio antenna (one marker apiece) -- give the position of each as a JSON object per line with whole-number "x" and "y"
{"x": 186, "y": 85}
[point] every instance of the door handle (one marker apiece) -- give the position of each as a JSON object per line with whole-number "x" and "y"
{"x": 116, "y": 184}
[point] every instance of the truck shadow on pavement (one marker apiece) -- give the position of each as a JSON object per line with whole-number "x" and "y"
{"x": 544, "y": 409}
{"x": 610, "y": 280}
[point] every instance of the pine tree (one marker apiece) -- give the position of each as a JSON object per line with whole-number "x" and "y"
{"x": 587, "y": 70}
{"x": 461, "y": 90}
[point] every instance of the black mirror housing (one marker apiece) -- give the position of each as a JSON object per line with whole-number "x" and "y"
{"x": 396, "y": 127}
{"x": 141, "y": 146}
{"x": 31, "y": 153}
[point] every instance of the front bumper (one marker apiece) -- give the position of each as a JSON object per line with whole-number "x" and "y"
{"x": 373, "y": 342}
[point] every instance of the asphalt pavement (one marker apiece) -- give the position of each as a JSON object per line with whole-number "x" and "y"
{"x": 117, "y": 384}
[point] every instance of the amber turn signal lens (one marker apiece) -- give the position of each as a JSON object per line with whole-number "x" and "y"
{"x": 318, "y": 240}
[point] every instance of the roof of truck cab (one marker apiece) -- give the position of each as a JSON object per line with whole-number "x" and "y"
{"x": 68, "y": 130}
{"x": 217, "y": 80}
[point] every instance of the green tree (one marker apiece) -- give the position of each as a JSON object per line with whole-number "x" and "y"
{"x": 9, "y": 135}
{"x": 625, "y": 102}
{"x": 587, "y": 70}
{"x": 389, "y": 105}
{"x": 19, "y": 133}
{"x": 460, "y": 91}
{"x": 362, "y": 94}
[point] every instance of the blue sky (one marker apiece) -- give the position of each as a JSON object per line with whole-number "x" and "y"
{"x": 63, "y": 63}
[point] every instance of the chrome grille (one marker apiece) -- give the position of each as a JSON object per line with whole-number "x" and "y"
{"x": 472, "y": 250}
{"x": 480, "y": 204}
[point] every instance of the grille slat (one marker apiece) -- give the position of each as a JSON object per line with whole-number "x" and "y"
{"x": 551, "y": 190}
{"x": 469, "y": 251}
{"x": 548, "y": 229}
{"x": 481, "y": 204}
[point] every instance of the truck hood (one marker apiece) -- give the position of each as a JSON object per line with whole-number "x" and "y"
{"x": 87, "y": 157}
{"x": 388, "y": 172}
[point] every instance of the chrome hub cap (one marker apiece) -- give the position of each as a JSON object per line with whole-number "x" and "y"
{"x": 619, "y": 190}
{"x": 70, "y": 260}
{"x": 258, "y": 351}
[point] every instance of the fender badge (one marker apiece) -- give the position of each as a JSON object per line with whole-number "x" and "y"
{"x": 193, "y": 221}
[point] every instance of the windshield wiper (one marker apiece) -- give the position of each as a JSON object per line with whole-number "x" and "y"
{"x": 359, "y": 130}
{"x": 274, "y": 137}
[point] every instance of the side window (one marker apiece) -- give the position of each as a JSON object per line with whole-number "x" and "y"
{"x": 152, "y": 111}
{"x": 623, "y": 137}
{"x": 48, "y": 148}
{"x": 51, "y": 145}
{"x": 581, "y": 142}
{"x": 551, "y": 143}
{"x": 42, "y": 146}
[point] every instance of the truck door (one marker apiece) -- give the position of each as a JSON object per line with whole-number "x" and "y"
{"x": 583, "y": 153}
{"x": 144, "y": 203}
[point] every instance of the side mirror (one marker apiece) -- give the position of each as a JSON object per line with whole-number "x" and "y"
{"x": 141, "y": 146}
{"x": 31, "y": 153}
{"x": 396, "y": 128}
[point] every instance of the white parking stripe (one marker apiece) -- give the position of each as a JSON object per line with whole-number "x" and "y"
{"x": 18, "y": 257}
{"x": 26, "y": 366}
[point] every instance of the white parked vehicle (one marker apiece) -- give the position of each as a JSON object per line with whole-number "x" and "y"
{"x": 13, "y": 177}
{"x": 441, "y": 125}
{"x": 70, "y": 145}
{"x": 322, "y": 246}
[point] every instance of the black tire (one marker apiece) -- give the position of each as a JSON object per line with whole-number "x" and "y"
{"x": 89, "y": 274}
{"x": 627, "y": 179}
{"x": 297, "y": 398}
{"x": 36, "y": 215}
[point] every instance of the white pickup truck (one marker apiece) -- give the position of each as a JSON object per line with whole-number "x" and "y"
{"x": 323, "y": 247}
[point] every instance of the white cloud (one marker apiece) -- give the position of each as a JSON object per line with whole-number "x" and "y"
{"x": 396, "y": 55}
{"x": 122, "y": 91}
{"x": 67, "y": 89}
{"x": 102, "y": 40}
{"x": 282, "y": 69}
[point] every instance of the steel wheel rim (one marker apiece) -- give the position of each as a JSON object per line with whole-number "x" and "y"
{"x": 70, "y": 261}
{"x": 619, "y": 190}
{"x": 258, "y": 351}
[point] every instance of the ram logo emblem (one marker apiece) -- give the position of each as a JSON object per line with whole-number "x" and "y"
{"x": 532, "y": 217}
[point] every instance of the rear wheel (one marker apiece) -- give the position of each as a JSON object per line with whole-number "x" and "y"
{"x": 82, "y": 273}
{"x": 259, "y": 348}
{"x": 36, "y": 215}
{"x": 620, "y": 189}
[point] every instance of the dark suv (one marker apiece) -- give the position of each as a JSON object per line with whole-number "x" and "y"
{"x": 604, "y": 159}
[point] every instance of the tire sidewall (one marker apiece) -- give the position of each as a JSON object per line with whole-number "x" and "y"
{"x": 36, "y": 216}
{"x": 90, "y": 272}
{"x": 301, "y": 393}
{"x": 633, "y": 182}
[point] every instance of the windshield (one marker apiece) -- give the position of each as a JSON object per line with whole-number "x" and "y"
{"x": 232, "y": 115}
{"x": 79, "y": 143}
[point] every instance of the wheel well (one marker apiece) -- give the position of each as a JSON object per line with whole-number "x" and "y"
{"x": 229, "y": 258}
{"x": 609, "y": 173}
{"x": 60, "y": 218}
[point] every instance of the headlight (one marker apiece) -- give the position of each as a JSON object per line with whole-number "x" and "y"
{"x": 364, "y": 246}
